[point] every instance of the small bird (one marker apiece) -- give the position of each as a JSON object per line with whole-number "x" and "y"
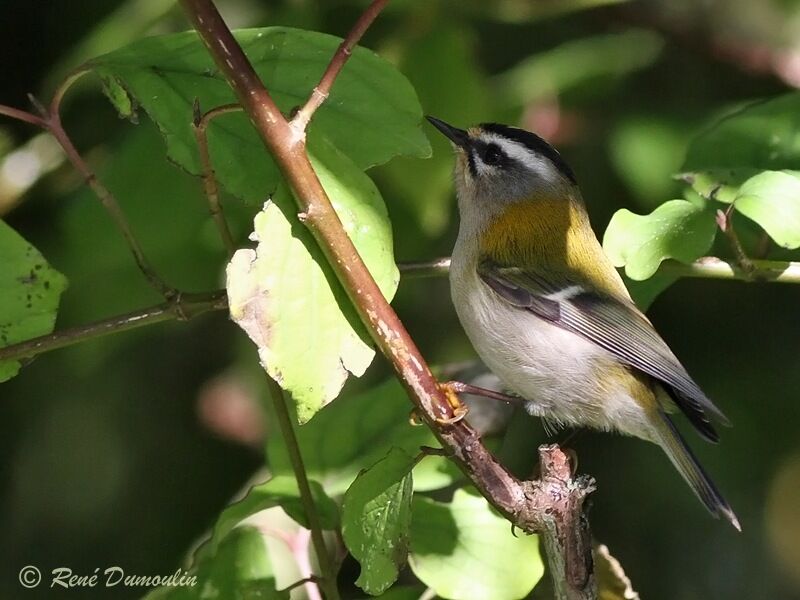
{"x": 547, "y": 311}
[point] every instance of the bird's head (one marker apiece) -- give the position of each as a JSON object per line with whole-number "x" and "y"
{"x": 499, "y": 164}
{"x": 513, "y": 187}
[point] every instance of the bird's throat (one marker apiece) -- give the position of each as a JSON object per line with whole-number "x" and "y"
{"x": 553, "y": 235}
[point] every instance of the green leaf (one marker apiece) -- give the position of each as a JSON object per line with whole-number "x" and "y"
{"x": 169, "y": 216}
{"x": 355, "y": 432}
{"x": 30, "y": 290}
{"x": 772, "y": 199}
{"x": 376, "y": 515}
{"x": 761, "y": 136}
{"x": 239, "y": 569}
{"x": 721, "y": 185}
{"x": 465, "y": 551}
{"x": 165, "y": 75}
{"x": 404, "y": 592}
{"x": 284, "y": 294}
{"x": 677, "y": 229}
{"x": 280, "y": 491}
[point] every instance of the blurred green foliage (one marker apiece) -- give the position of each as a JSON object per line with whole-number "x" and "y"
{"x": 124, "y": 451}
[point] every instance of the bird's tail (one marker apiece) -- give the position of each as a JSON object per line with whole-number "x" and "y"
{"x": 684, "y": 460}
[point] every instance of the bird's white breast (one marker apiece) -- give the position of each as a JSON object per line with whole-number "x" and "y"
{"x": 555, "y": 371}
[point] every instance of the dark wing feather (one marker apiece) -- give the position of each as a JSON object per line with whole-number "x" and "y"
{"x": 613, "y": 324}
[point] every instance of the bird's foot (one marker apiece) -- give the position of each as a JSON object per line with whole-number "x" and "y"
{"x": 451, "y": 390}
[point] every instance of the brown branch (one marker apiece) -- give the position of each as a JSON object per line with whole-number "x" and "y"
{"x": 49, "y": 119}
{"x": 181, "y": 307}
{"x": 323, "y": 89}
{"x": 200, "y": 123}
{"x": 523, "y": 503}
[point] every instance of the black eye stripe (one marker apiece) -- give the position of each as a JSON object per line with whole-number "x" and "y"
{"x": 534, "y": 143}
{"x": 489, "y": 153}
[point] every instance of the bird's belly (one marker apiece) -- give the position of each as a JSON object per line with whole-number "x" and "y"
{"x": 554, "y": 370}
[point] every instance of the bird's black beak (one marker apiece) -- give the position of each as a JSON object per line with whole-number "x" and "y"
{"x": 458, "y": 136}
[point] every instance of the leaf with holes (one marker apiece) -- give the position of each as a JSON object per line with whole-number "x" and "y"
{"x": 677, "y": 229}
{"x": 30, "y": 290}
{"x": 165, "y": 74}
{"x": 376, "y": 515}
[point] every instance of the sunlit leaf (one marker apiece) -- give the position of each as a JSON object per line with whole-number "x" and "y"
{"x": 612, "y": 582}
{"x": 29, "y": 294}
{"x": 165, "y": 75}
{"x": 463, "y": 550}
{"x": 772, "y": 199}
{"x": 677, "y": 229}
{"x": 284, "y": 295}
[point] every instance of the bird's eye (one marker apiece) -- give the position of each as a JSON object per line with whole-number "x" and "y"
{"x": 492, "y": 155}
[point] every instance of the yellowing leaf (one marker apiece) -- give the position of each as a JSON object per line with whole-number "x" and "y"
{"x": 285, "y": 296}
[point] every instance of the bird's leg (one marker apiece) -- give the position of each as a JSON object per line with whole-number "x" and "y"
{"x": 451, "y": 390}
{"x": 458, "y": 387}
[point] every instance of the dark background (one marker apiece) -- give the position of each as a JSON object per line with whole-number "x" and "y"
{"x": 122, "y": 451}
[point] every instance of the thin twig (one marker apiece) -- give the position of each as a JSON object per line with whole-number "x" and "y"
{"x": 708, "y": 267}
{"x": 112, "y": 207}
{"x": 322, "y": 90}
{"x": 438, "y": 267}
{"x": 200, "y": 123}
{"x": 61, "y": 90}
{"x": 725, "y": 223}
{"x": 181, "y": 307}
{"x": 23, "y": 115}
{"x": 279, "y": 402}
{"x": 298, "y": 583}
{"x": 50, "y": 120}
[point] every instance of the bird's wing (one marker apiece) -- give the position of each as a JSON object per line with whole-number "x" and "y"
{"x": 613, "y": 324}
